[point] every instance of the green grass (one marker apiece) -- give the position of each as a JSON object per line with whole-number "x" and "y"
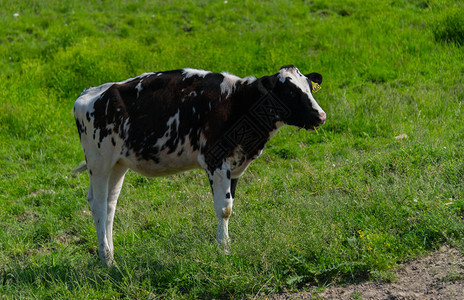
{"x": 347, "y": 202}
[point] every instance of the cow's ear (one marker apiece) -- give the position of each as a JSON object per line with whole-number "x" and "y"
{"x": 315, "y": 77}
{"x": 267, "y": 83}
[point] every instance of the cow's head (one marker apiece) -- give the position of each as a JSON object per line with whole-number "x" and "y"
{"x": 295, "y": 90}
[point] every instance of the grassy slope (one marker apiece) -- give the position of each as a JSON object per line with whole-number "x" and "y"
{"x": 346, "y": 202}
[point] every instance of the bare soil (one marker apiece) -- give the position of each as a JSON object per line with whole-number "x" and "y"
{"x": 438, "y": 276}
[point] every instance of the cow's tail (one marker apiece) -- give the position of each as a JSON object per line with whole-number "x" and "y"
{"x": 80, "y": 168}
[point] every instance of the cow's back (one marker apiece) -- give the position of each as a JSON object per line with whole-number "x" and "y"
{"x": 153, "y": 123}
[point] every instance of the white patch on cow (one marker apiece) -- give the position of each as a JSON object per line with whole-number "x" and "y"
{"x": 126, "y": 126}
{"x": 202, "y": 141}
{"x": 192, "y": 94}
{"x": 228, "y": 84}
{"x": 188, "y": 72}
{"x": 295, "y": 77}
{"x": 230, "y": 80}
{"x": 249, "y": 80}
{"x": 106, "y": 109}
{"x": 139, "y": 88}
{"x": 91, "y": 94}
{"x": 137, "y": 77}
{"x": 97, "y": 133}
{"x": 173, "y": 119}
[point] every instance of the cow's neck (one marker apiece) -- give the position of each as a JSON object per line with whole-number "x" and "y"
{"x": 255, "y": 116}
{"x": 262, "y": 108}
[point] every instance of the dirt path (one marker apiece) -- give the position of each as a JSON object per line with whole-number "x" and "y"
{"x": 438, "y": 276}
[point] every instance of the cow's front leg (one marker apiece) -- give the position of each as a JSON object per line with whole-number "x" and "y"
{"x": 221, "y": 186}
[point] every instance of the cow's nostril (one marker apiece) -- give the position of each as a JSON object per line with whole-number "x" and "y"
{"x": 322, "y": 116}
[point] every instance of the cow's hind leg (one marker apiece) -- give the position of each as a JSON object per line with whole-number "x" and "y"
{"x": 99, "y": 182}
{"x": 223, "y": 200}
{"x": 103, "y": 195}
{"x": 114, "y": 188}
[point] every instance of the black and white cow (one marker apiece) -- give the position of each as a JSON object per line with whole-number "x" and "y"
{"x": 163, "y": 123}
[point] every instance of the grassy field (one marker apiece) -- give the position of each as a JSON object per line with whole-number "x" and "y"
{"x": 381, "y": 182}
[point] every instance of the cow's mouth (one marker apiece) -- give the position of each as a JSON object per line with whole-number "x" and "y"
{"x": 313, "y": 128}
{"x": 316, "y": 127}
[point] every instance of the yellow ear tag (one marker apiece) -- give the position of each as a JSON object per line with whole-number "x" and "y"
{"x": 316, "y": 87}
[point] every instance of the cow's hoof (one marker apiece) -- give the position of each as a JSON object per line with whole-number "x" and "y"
{"x": 107, "y": 261}
{"x": 224, "y": 249}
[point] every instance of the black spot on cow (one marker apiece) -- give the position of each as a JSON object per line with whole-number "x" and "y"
{"x": 228, "y": 174}
{"x": 228, "y": 195}
{"x": 80, "y": 127}
{"x": 113, "y": 142}
{"x": 233, "y": 186}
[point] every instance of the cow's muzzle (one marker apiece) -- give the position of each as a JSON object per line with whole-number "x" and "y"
{"x": 322, "y": 116}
